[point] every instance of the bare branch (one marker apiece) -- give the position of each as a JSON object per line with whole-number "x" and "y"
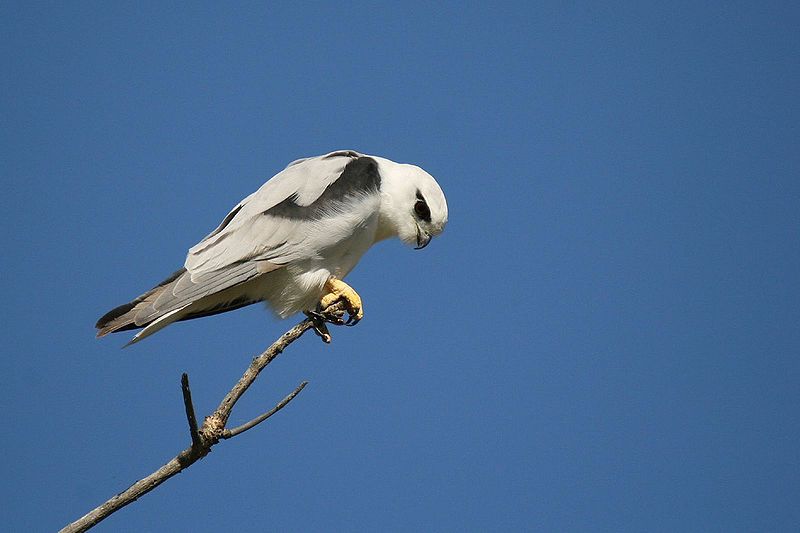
{"x": 229, "y": 433}
{"x": 213, "y": 428}
{"x": 132, "y": 493}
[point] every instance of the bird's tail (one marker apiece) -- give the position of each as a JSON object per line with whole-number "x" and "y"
{"x": 123, "y": 318}
{"x": 179, "y": 298}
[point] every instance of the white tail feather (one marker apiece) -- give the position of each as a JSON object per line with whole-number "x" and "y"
{"x": 157, "y": 324}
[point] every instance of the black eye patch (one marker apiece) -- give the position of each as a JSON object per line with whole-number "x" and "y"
{"x": 421, "y": 208}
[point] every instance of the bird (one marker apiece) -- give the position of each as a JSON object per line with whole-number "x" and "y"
{"x": 291, "y": 243}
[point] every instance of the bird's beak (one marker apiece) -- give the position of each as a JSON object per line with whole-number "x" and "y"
{"x": 423, "y": 238}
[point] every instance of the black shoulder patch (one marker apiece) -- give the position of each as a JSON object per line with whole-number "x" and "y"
{"x": 359, "y": 177}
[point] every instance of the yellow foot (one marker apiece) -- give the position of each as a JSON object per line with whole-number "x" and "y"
{"x": 335, "y": 290}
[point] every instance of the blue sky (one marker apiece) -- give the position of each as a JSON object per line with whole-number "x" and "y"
{"x": 605, "y": 338}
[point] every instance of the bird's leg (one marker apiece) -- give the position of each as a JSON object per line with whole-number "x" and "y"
{"x": 335, "y": 290}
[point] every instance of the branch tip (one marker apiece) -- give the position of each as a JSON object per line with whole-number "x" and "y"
{"x": 197, "y": 442}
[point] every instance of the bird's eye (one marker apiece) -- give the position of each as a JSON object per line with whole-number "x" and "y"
{"x": 422, "y": 210}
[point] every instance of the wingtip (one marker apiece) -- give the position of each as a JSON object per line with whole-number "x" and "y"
{"x": 105, "y": 330}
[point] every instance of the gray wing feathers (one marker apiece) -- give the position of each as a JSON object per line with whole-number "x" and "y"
{"x": 186, "y": 290}
{"x": 271, "y": 223}
{"x": 225, "y": 244}
{"x": 257, "y": 238}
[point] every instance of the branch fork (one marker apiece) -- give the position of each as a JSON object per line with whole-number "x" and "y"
{"x": 214, "y": 425}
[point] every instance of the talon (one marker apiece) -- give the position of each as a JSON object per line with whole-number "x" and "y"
{"x": 354, "y": 317}
{"x": 339, "y": 290}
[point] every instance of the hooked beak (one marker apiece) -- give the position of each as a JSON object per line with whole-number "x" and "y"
{"x": 423, "y": 239}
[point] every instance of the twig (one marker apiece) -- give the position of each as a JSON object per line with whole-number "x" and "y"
{"x": 213, "y": 428}
{"x": 229, "y": 433}
{"x": 190, "y": 417}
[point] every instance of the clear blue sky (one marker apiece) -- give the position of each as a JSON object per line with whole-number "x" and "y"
{"x": 605, "y": 338}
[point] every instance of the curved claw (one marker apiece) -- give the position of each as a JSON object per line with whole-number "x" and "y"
{"x": 354, "y": 316}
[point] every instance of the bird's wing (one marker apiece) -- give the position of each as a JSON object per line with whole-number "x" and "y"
{"x": 312, "y": 204}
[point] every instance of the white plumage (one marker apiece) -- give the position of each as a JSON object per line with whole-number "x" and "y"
{"x": 282, "y": 244}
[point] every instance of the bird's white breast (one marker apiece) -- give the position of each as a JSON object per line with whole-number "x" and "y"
{"x": 339, "y": 242}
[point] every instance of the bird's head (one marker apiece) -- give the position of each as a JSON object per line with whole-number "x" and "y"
{"x": 413, "y": 206}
